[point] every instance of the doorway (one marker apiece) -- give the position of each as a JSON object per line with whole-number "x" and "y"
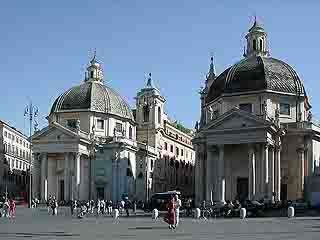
{"x": 283, "y": 192}
{"x": 100, "y": 192}
{"x": 61, "y": 190}
{"x": 242, "y": 189}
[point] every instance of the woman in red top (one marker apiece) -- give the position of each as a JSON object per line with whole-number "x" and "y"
{"x": 12, "y": 208}
{"x": 170, "y": 218}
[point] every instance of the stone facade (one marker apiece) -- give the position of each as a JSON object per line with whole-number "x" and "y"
{"x": 256, "y": 138}
{"x": 15, "y": 156}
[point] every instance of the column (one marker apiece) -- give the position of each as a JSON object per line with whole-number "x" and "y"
{"x": 277, "y": 174}
{"x": 271, "y": 174}
{"x": 215, "y": 176}
{"x": 208, "y": 175}
{"x": 221, "y": 175}
{"x": 77, "y": 174}
{"x": 44, "y": 176}
{"x": 300, "y": 165}
{"x": 265, "y": 169}
{"x": 66, "y": 177}
{"x": 36, "y": 181}
{"x": 252, "y": 173}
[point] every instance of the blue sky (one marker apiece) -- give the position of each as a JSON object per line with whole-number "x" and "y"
{"x": 44, "y": 47}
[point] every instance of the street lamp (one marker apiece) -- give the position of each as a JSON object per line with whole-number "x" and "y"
{"x": 31, "y": 112}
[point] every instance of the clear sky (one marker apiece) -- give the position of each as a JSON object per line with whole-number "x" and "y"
{"x": 44, "y": 47}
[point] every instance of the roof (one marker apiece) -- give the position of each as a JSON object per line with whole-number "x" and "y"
{"x": 257, "y": 73}
{"x": 93, "y": 96}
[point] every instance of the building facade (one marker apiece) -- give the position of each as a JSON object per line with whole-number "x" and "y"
{"x": 256, "y": 137}
{"x": 173, "y": 168}
{"x": 95, "y": 147}
{"x": 15, "y": 159}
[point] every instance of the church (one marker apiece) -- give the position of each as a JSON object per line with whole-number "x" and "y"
{"x": 256, "y": 138}
{"x": 96, "y": 146}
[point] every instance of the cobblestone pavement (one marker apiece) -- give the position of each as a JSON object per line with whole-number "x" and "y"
{"x": 37, "y": 224}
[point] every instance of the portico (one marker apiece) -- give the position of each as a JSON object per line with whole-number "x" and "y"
{"x": 242, "y": 160}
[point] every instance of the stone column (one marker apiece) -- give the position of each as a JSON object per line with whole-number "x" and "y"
{"x": 271, "y": 174}
{"x": 66, "y": 177}
{"x": 265, "y": 169}
{"x": 300, "y": 165}
{"x": 44, "y": 176}
{"x": 209, "y": 175}
{"x": 277, "y": 174}
{"x": 36, "y": 180}
{"x": 221, "y": 175}
{"x": 215, "y": 165}
{"x": 77, "y": 174}
{"x": 252, "y": 173}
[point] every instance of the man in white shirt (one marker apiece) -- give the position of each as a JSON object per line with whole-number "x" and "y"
{"x": 178, "y": 205}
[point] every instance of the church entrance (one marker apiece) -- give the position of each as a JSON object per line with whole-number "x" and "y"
{"x": 61, "y": 190}
{"x": 283, "y": 192}
{"x": 242, "y": 189}
{"x": 100, "y": 192}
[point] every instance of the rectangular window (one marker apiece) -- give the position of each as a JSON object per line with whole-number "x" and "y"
{"x": 9, "y": 135}
{"x": 165, "y": 146}
{"x": 171, "y": 148}
{"x": 119, "y": 127}
{"x": 285, "y": 109}
{"x": 100, "y": 124}
{"x": 177, "y": 151}
{"x": 246, "y": 107}
{"x": 72, "y": 123}
{"x": 181, "y": 152}
{"x": 13, "y": 137}
{"x": 5, "y": 133}
{"x": 21, "y": 141}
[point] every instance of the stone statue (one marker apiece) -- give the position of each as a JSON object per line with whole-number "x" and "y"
{"x": 264, "y": 108}
{"x": 196, "y": 127}
{"x": 211, "y": 112}
{"x": 36, "y": 126}
{"x": 309, "y": 117}
{"x": 78, "y": 124}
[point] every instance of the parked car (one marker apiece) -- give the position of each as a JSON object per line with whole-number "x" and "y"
{"x": 300, "y": 204}
{"x": 254, "y": 208}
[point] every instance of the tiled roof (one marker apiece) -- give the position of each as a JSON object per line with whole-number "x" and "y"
{"x": 93, "y": 96}
{"x": 254, "y": 74}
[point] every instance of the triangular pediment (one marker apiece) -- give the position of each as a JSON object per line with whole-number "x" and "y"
{"x": 55, "y": 133}
{"x": 237, "y": 119}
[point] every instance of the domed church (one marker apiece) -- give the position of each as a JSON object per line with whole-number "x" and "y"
{"x": 88, "y": 122}
{"x": 256, "y": 138}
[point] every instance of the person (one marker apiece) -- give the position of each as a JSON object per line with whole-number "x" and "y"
{"x": 54, "y": 206}
{"x": 12, "y": 208}
{"x": 134, "y": 207}
{"x": 178, "y": 205}
{"x": 188, "y": 207}
{"x": 170, "y": 218}
{"x": 98, "y": 207}
{"x": 121, "y": 206}
{"x": 127, "y": 206}
{"x": 110, "y": 207}
{"x": 6, "y": 208}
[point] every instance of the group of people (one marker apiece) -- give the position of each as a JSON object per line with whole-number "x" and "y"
{"x": 9, "y": 208}
{"x": 173, "y": 215}
{"x": 52, "y": 204}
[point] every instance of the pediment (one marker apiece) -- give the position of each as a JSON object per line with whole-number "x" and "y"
{"x": 53, "y": 133}
{"x": 237, "y": 119}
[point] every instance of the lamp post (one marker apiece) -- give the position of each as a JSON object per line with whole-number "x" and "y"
{"x": 147, "y": 104}
{"x": 31, "y": 112}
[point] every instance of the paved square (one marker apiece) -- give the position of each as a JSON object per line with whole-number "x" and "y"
{"x": 37, "y": 224}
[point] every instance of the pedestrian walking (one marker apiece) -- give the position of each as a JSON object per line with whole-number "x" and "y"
{"x": 12, "y": 208}
{"x": 134, "y": 207}
{"x": 178, "y": 205}
{"x": 6, "y": 208}
{"x": 170, "y": 217}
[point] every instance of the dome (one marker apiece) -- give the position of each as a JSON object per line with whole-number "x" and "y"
{"x": 93, "y": 96}
{"x": 256, "y": 73}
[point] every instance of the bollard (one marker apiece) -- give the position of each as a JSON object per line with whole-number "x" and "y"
{"x": 115, "y": 213}
{"x": 197, "y": 213}
{"x": 290, "y": 212}
{"x": 243, "y": 213}
{"x": 155, "y": 214}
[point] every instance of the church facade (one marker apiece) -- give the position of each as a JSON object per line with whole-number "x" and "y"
{"x": 96, "y": 146}
{"x": 256, "y": 138}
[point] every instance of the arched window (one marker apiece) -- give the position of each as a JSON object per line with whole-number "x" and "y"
{"x": 261, "y": 45}
{"x": 159, "y": 115}
{"x": 130, "y": 132}
{"x": 254, "y": 44}
{"x": 91, "y": 74}
{"x": 145, "y": 114}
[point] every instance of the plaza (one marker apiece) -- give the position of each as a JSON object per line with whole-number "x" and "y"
{"x": 37, "y": 224}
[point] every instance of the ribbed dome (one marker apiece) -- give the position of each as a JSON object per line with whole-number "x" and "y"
{"x": 257, "y": 73}
{"x": 93, "y": 96}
